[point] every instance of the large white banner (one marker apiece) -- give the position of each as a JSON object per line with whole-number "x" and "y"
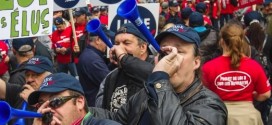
{"x": 148, "y": 12}
{"x": 67, "y": 4}
{"x": 25, "y": 18}
{"x": 104, "y": 2}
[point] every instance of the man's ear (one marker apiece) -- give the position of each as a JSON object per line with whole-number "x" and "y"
{"x": 14, "y": 51}
{"x": 80, "y": 102}
{"x": 143, "y": 48}
{"x": 197, "y": 62}
{"x": 98, "y": 40}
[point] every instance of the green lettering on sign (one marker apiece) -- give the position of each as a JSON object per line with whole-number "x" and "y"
{"x": 6, "y": 4}
{"x": 3, "y": 22}
{"x": 35, "y": 21}
{"x": 43, "y": 2}
{"x": 25, "y": 3}
{"x": 45, "y": 23}
{"x": 14, "y": 22}
{"x": 24, "y": 24}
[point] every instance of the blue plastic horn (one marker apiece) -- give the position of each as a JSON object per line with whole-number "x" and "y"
{"x": 94, "y": 26}
{"x": 7, "y": 113}
{"x": 128, "y": 9}
{"x": 21, "y": 121}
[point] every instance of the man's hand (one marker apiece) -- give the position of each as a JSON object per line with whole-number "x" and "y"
{"x": 45, "y": 109}
{"x": 27, "y": 90}
{"x": 116, "y": 54}
{"x": 76, "y": 48}
{"x": 169, "y": 63}
{"x": 58, "y": 50}
{"x": 6, "y": 59}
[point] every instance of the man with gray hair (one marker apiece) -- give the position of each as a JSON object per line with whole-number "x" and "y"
{"x": 23, "y": 50}
{"x": 131, "y": 54}
{"x": 92, "y": 66}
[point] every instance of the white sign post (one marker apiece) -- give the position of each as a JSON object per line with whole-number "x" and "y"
{"x": 25, "y": 18}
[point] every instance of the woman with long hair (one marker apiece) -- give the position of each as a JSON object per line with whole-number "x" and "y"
{"x": 236, "y": 78}
{"x": 262, "y": 42}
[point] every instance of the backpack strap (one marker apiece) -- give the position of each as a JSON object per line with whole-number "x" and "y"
{"x": 264, "y": 42}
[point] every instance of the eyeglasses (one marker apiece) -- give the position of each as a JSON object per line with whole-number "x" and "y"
{"x": 57, "y": 101}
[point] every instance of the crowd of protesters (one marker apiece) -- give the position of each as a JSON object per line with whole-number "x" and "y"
{"x": 215, "y": 67}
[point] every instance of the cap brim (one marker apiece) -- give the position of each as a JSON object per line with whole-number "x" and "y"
{"x": 110, "y": 33}
{"x": 177, "y": 34}
{"x": 77, "y": 14}
{"x": 34, "y": 69}
{"x": 34, "y": 96}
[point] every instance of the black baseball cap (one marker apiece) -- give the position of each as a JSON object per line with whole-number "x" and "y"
{"x": 23, "y": 45}
{"x": 131, "y": 29}
{"x": 80, "y": 11}
{"x": 173, "y": 3}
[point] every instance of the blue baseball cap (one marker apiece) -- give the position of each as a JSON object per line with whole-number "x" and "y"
{"x": 185, "y": 33}
{"x": 201, "y": 7}
{"x": 196, "y": 19}
{"x": 186, "y": 12}
{"x": 252, "y": 16}
{"x": 55, "y": 83}
{"x": 58, "y": 21}
{"x": 39, "y": 64}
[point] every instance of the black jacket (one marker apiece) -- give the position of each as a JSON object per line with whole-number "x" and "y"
{"x": 203, "y": 107}
{"x": 17, "y": 76}
{"x": 42, "y": 50}
{"x": 209, "y": 46}
{"x": 122, "y": 83}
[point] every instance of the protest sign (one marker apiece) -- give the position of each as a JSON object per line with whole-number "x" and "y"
{"x": 68, "y": 4}
{"x": 25, "y": 18}
{"x": 147, "y": 12}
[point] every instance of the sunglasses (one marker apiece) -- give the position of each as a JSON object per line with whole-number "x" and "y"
{"x": 58, "y": 101}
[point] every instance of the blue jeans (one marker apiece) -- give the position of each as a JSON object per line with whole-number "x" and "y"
{"x": 71, "y": 67}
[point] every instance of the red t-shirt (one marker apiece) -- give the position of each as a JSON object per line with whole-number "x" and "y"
{"x": 4, "y": 53}
{"x": 104, "y": 19}
{"x": 214, "y": 10}
{"x": 229, "y": 9}
{"x": 234, "y": 85}
{"x": 80, "y": 29}
{"x": 62, "y": 39}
